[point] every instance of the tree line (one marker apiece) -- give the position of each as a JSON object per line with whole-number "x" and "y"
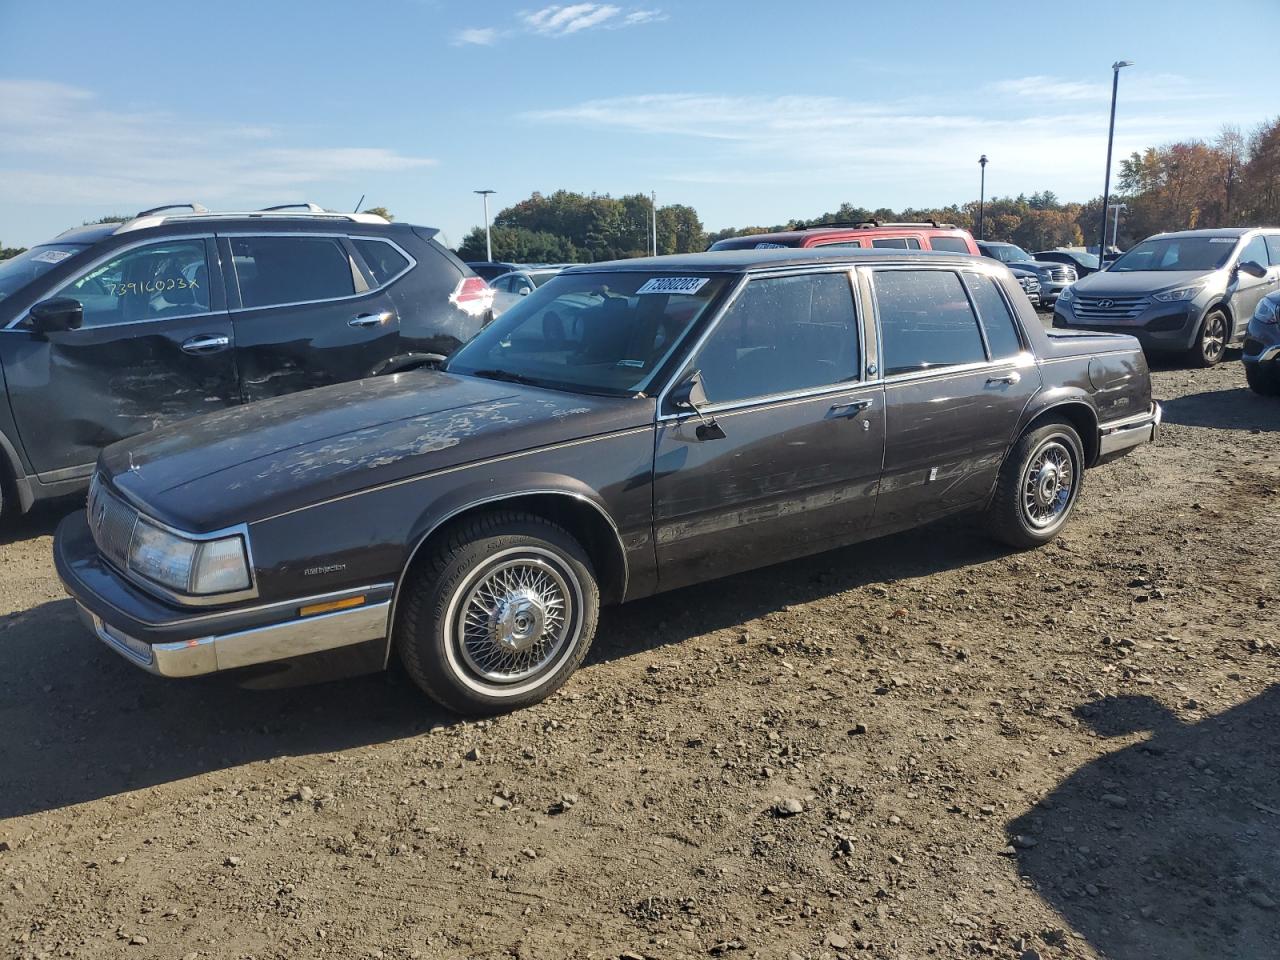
{"x": 1231, "y": 180}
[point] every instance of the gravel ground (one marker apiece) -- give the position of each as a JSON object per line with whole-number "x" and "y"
{"x": 923, "y": 747}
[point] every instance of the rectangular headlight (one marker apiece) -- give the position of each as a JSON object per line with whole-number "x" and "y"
{"x": 188, "y": 566}
{"x": 160, "y": 556}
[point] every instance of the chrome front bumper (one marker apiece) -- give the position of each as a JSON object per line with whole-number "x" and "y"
{"x": 1123, "y": 434}
{"x": 266, "y": 644}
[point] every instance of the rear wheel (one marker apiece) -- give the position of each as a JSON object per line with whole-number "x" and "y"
{"x": 1038, "y": 486}
{"x": 501, "y": 614}
{"x": 1264, "y": 378}
{"x": 1211, "y": 344}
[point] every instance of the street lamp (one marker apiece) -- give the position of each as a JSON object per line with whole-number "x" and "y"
{"x": 488, "y": 239}
{"x": 1115, "y": 224}
{"x": 1111, "y": 132}
{"x": 982, "y": 191}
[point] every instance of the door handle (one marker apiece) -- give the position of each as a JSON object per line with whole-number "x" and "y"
{"x": 370, "y": 319}
{"x": 851, "y": 409}
{"x": 1009, "y": 378}
{"x": 206, "y": 343}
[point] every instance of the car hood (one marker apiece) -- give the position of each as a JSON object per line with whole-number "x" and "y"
{"x": 250, "y": 462}
{"x": 1105, "y": 283}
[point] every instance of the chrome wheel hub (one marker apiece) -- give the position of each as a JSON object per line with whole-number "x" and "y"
{"x": 515, "y": 617}
{"x": 518, "y": 620}
{"x": 1048, "y": 485}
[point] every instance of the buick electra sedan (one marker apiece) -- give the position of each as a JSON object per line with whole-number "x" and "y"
{"x": 627, "y": 428}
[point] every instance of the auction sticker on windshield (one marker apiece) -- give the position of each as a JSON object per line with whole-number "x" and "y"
{"x": 51, "y": 256}
{"x": 685, "y": 285}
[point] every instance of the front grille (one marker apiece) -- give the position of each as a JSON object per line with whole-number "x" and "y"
{"x": 111, "y": 522}
{"x": 1110, "y": 309}
{"x": 1062, "y": 274}
{"x": 1029, "y": 284}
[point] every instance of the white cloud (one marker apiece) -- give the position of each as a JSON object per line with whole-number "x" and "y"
{"x": 60, "y": 145}
{"x": 562, "y": 20}
{"x": 476, "y": 36}
{"x": 1135, "y": 88}
{"x": 919, "y": 146}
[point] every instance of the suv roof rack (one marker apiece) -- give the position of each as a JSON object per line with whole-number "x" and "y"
{"x": 308, "y": 206}
{"x": 872, "y": 224}
{"x": 286, "y": 211}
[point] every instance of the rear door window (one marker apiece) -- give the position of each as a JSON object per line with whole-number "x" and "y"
{"x": 897, "y": 243}
{"x": 273, "y": 271}
{"x": 950, "y": 244}
{"x": 151, "y": 282}
{"x": 926, "y": 321}
{"x": 384, "y": 261}
{"x": 997, "y": 320}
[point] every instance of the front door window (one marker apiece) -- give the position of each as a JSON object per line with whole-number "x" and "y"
{"x": 152, "y": 282}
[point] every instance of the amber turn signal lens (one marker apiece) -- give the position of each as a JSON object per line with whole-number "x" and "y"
{"x": 331, "y": 606}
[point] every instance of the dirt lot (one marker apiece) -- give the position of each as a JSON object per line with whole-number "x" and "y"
{"x": 1065, "y": 753}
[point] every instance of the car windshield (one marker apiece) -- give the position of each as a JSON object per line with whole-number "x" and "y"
{"x": 1008, "y": 252}
{"x": 1176, "y": 253}
{"x": 602, "y": 333}
{"x": 17, "y": 272}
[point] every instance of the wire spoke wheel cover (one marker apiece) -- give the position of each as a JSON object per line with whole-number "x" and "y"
{"x": 1048, "y": 484}
{"x": 513, "y": 620}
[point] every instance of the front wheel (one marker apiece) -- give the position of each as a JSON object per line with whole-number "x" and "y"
{"x": 1264, "y": 378}
{"x": 1038, "y": 486}
{"x": 500, "y": 615}
{"x": 1211, "y": 343}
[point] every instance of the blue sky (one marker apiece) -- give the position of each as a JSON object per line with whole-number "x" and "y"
{"x": 751, "y": 112}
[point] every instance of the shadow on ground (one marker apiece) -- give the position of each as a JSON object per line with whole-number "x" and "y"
{"x": 1166, "y": 848}
{"x": 1239, "y": 409}
{"x": 80, "y": 723}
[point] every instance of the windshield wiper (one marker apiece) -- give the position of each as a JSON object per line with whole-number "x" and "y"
{"x": 507, "y": 376}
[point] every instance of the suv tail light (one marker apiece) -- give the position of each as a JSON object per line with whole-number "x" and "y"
{"x": 472, "y": 296}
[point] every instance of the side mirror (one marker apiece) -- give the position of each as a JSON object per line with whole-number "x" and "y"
{"x": 525, "y": 291}
{"x": 1253, "y": 268}
{"x": 690, "y": 395}
{"x": 57, "y": 314}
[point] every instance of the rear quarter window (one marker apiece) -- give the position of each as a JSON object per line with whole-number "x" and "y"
{"x": 384, "y": 261}
{"x": 949, "y": 244}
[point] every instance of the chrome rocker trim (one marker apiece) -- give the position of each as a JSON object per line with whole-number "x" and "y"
{"x": 266, "y": 644}
{"x": 1113, "y": 438}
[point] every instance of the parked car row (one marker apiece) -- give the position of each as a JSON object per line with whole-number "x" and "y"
{"x": 625, "y": 428}
{"x": 1192, "y": 292}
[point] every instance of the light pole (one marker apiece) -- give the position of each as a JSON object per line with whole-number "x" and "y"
{"x": 1111, "y": 132}
{"x": 488, "y": 239}
{"x": 653, "y": 198}
{"x": 982, "y": 191}
{"x": 1115, "y": 223}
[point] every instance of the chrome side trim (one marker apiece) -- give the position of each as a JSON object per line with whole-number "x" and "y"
{"x": 66, "y": 473}
{"x": 277, "y": 641}
{"x": 262, "y": 607}
{"x": 1113, "y": 438}
{"x": 484, "y": 501}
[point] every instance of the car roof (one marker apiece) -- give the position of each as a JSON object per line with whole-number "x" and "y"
{"x": 90, "y": 233}
{"x": 741, "y": 261}
{"x": 1213, "y": 232}
{"x": 845, "y": 230}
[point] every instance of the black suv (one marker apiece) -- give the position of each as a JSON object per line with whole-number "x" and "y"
{"x": 112, "y": 330}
